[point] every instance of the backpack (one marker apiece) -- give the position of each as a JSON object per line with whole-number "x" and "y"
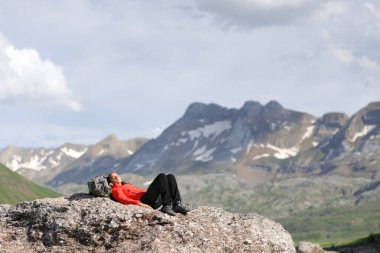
{"x": 99, "y": 187}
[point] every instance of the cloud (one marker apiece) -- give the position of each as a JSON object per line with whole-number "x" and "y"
{"x": 343, "y": 55}
{"x": 259, "y": 13}
{"x": 43, "y": 134}
{"x": 25, "y": 77}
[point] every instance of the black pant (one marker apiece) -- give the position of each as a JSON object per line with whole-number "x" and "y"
{"x": 162, "y": 191}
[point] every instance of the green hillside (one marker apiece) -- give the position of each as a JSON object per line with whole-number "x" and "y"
{"x": 14, "y": 188}
{"x": 373, "y": 240}
{"x": 334, "y": 226}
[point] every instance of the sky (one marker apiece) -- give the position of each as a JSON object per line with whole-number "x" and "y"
{"x": 79, "y": 70}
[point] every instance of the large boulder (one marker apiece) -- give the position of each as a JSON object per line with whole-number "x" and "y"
{"x": 81, "y": 223}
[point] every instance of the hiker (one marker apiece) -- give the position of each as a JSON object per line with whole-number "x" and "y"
{"x": 162, "y": 191}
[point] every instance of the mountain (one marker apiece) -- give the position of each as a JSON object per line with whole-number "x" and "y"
{"x": 15, "y": 188}
{"x": 100, "y": 158}
{"x": 361, "y": 134}
{"x": 262, "y": 142}
{"x": 38, "y": 159}
{"x": 57, "y": 166}
{"x": 250, "y": 137}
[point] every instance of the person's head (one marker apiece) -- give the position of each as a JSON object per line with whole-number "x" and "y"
{"x": 113, "y": 178}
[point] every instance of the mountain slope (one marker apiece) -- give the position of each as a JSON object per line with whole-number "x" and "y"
{"x": 100, "y": 158}
{"x": 15, "y": 188}
{"x": 253, "y": 136}
{"x": 37, "y": 159}
{"x": 261, "y": 143}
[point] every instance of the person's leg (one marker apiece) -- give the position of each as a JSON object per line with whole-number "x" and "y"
{"x": 159, "y": 187}
{"x": 174, "y": 192}
{"x": 158, "y": 193}
{"x": 176, "y": 196}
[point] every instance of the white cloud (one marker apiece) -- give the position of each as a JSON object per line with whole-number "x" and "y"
{"x": 331, "y": 9}
{"x": 368, "y": 64}
{"x": 25, "y": 77}
{"x": 257, "y": 13}
{"x": 363, "y": 62}
{"x": 370, "y": 7}
{"x": 343, "y": 55}
{"x": 42, "y": 134}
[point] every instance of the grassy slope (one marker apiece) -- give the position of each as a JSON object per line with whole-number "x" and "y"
{"x": 15, "y": 188}
{"x": 373, "y": 240}
{"x": 338, "y": 225}
{"x": 331, "y": 218}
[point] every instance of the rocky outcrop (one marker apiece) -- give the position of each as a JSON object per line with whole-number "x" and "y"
{"x": 309, "y": 247}
{"x": 80, "y": 223}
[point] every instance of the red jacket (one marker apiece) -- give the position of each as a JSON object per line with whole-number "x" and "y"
{"x": 127, "y": 193}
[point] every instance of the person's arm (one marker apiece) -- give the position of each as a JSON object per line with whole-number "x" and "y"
{"x": 119, "y": 195}
{"x": 135, "y": 188}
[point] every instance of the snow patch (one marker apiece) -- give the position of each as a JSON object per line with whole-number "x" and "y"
{"x": 181, "y": 141}
{"x": 35, "y": 163}
{"x": 249, "y": 146}
{"x": 235, "y": 150}
{"x": 53, "y": 162}
{"x": 207, "y": 156}
{"x": 214, "y": 130}
{"x": 200, "y": 150}
{"x": 130, "y": 152}
{"x": 364, "y": 132}
{"x": 309, "y": 132}
{"x": 283, "y": 153}
{"x": 73, "y": 153}
{"x": 260, "y": 156}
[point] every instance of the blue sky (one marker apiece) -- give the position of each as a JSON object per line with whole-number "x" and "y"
{"x": 78, "y": 70}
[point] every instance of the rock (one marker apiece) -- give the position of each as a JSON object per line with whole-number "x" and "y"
{"x": 309, "y": 247}
{"x": 81, "y": 223}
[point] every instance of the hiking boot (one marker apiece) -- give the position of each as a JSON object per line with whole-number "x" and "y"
{"x": 179, "y": 208}
{"x": 168, "y": 210}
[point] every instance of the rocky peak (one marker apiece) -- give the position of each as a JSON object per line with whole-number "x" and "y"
{"x": 334, "y": 119}
{"x": 363, "y": 122}
{"x": 273, "y": 106}
{"x": 81, "y": 223}
{"x": 109, "y": 141}
{"x": 251, "y": 108}
{"x": 213, "y": 111}
{"x": 371, "y": 114}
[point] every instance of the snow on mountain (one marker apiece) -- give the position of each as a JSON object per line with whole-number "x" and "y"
{"x": 100, "y": 158}
{"x": 366, "y": 129}
{"x": 40, "y": 158}
{"x": 73, "y": 153}
{"x": 211, "y": 133}
{"x": 361, "y": 133}
{"x": 213, "y": 130}
{"x": 35, "y": 163}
